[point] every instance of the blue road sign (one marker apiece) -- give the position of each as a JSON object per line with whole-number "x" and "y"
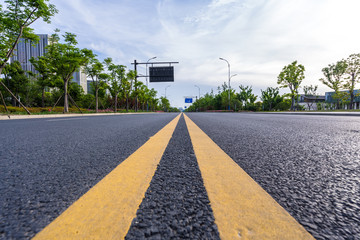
{"x": 188, "y": 100}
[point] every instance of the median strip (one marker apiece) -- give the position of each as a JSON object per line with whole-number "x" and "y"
{"x": 242, "y": 209}
{"x": 107, "y": 209}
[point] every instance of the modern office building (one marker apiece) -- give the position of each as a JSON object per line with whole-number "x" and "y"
{"x": 90, "y": 87}
{"x": 329, "y": 98}
{"x": 26, "y": 49}
{"x": 80, "y": 78}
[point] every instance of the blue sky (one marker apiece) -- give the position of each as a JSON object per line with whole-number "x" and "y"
{"x": 257, "y": 37}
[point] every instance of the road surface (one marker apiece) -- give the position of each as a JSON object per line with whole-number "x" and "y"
{"x": 310, "y": 166}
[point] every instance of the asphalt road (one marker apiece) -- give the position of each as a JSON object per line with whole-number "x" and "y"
{"x": 176, "y": 205}
{"x": 308, "y": 164}
{"x": 47, "y": 164}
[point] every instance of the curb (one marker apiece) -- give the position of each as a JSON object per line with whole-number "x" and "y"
{"x": 15, "y": 117}
{"x": 353, "y": 114}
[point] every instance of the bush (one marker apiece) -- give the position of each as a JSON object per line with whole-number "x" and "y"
{"x": 284, "y": 105}
{"x": 87, "y": 101}
{"x": 20, "y": 110}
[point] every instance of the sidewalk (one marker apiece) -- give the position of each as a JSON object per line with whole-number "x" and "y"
{"x": 357, "y": 114}
{"x": 12, "y": 117}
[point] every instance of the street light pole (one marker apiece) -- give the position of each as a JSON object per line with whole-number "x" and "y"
{"x": 147, "y": 70}
{"x": 165, "y": 95}
{"x": 199, "y": 90}
{"x": 199, "y": 109}
{"x": 147, "y": 85}
{"x": 229, "y": 77}
{"x": 165, "y": 89}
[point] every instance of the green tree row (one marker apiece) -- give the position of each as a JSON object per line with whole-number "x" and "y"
{"x": 244, "y": 100}
{"x": 341, "y": 77}
{"x": 113, "y": 86}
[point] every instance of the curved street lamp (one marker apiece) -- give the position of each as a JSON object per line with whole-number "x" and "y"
{"x": 229, "y": 77}
{"x": 199, "y": 90}
{"x": 165, "y": 89}
{"x": 147, "y": 70}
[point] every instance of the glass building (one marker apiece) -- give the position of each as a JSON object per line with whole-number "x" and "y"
{"x": 26, "y": 49}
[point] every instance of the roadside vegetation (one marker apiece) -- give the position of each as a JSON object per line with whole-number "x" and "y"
{"x": 342, "y": 77}
{"x": 113, "y": 87}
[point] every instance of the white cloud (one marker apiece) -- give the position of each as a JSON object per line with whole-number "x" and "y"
{"x": 257, "y": 37}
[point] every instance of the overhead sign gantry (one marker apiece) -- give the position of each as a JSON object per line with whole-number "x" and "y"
{"x": 157, "y": 74}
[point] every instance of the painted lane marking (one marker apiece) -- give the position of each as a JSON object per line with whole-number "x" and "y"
{"x": 242, "y": 209}
{"x": 107, "y": 209}
{"x": 64, "y": 119}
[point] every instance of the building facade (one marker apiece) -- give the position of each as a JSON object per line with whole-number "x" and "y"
{"x": 344, "y": 103}
{"x": 311, "y": 102}
{"x": 26, "y": 49}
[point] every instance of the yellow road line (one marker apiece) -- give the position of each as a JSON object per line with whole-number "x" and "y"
{"x": 107, "y": 209}
{"x": 242, "y": 209}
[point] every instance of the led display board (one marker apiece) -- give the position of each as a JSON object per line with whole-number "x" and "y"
{"x": 161, "y": 74}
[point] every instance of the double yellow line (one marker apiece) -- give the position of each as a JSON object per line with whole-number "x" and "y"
{"x": 242, "y": 209}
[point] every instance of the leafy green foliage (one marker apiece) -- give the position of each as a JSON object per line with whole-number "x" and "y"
{"x": 16, "y": 80}
{"x": 165, "y": 104}
{"x": 65, "y": 58}
{"x": 117, "y": 81}
{"x": 95, "y": 70}
{"x": 333, "y": 74}
{"x": 291, "y": 76}
{"x": 15, "y": 20}
{"x": 271, "y": 98}
{"x": 45, "y": 78}
{"x": 353, "y": 76}
{"x": 246, "y": 97}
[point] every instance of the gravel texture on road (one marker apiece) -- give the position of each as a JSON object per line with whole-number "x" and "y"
{"x": 47, "y": 164}
{"x": 176, "y": 205}
{"x": 309, "y": 164}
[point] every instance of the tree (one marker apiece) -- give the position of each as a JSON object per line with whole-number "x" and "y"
{"x": 310, "y": 91}
{"x": 94, "y": 69}
{"x": 246, "y": 96}
{"x": 153, "y": 101}
{"x": 271, "y": 98}
{"x": 165, "y": 104}
{"x": 334, "y": 79}
{"x": 15, "y": 23}
{"x": 45, "y": 78}
{"x": 353, "y": 72}
{"x": 16, "y": 80}
{"x": 65, "y": 59}
{"x": 222, "y": 98}
{"x": 142, "y": 92}
{"x": 291, "y": 76}
{"x": 117, "y": 74}
{"x": 126, "y": 84}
